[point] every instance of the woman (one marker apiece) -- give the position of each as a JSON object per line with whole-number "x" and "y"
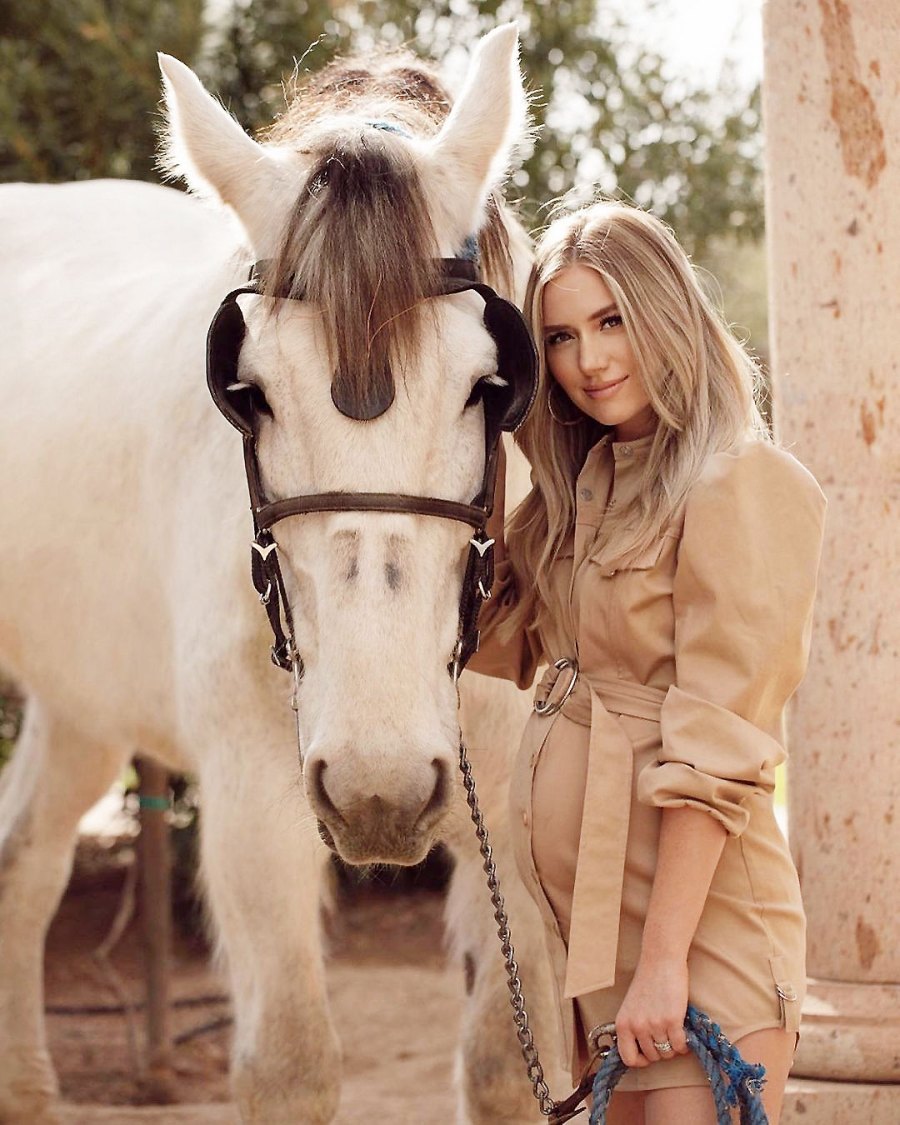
{"x": 668, "y": 549}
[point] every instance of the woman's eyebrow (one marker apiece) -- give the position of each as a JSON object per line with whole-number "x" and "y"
{"x": 613, "y": 308}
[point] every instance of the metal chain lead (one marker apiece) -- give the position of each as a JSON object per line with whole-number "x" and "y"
{"x": 520, "y": 1016}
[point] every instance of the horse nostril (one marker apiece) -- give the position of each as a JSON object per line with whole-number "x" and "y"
{"x": 318, "y": 793}
{"x": 438, "y": 798}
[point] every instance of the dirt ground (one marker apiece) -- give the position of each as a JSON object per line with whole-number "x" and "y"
{"x": 395, "y": 1002}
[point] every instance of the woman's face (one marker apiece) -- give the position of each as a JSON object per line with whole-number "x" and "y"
{"x": 589, "y": 355}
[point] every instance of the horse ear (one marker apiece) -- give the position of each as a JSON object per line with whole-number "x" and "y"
{"x": 469, "y": 156}
{"x": 206, "y": 146}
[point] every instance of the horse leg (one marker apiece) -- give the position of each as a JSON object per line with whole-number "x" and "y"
{"x": 55, "y": 775}
{"x": 491, "y": 1077}
{"x": 262, "y": 863}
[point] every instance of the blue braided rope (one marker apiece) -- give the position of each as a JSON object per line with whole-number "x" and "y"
{"x": 734, "y": 1082}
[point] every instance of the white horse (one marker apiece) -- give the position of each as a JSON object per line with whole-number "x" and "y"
{"x": 126, "y": 610}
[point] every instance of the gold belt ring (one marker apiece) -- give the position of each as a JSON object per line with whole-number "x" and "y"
{"x": 544, "y": 706}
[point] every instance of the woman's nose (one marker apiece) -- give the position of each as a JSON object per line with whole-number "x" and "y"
{"x": 594, "y": 355}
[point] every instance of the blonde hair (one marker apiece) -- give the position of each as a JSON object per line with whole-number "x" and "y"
{"x": 700, "y": 381}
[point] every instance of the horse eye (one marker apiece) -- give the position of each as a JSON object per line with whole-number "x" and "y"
{"x": 258, "y": 401}
{"x": 476, "y": 395}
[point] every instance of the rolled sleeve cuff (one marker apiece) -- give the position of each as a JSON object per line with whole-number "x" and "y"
{"x": 711, "y": 759}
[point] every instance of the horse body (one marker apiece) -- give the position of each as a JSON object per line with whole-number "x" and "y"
{"x": 127, "y": 615}
{"x": 87, "y": 518}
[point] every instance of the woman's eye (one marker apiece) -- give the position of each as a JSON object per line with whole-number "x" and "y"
{"x": 556, "y": 338}
{"x": 611, "y": 321}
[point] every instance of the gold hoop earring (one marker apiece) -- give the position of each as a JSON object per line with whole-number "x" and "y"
{"x": 559, "y": 421}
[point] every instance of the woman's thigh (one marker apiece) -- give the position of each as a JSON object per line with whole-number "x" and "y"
{"x": 625, "y": 1109}
{"x": 774, "y": 1048}
{"x": 678, "y": 1105}
{"x": 693, "y": 1105}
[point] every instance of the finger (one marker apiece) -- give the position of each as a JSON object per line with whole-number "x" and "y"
{"x": 679, "y": 1042}
{"x": 630, "y": 1052}
{"x": 662, "y": 1045}
{"x": 648, "y": 1050}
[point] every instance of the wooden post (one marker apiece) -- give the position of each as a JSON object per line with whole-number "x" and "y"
{"x": 155, "y": 861}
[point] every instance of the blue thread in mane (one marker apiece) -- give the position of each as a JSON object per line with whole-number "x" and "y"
{"x": 469, "y": 251}
{"x": 390, "y": 127}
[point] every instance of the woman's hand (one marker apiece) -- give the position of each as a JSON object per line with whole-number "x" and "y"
{"x": 690, "y": 846}
{"x": 653, "y": 1011}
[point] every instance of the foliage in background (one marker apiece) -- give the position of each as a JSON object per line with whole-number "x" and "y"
{"x": 82, "y": 87}
{"x": 81, "y": 84}
{"x": 608, "y": 113}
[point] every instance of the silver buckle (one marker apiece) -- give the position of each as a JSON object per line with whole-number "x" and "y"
{"x": 602, "y": 1031}
{"x": 544, "y": 706}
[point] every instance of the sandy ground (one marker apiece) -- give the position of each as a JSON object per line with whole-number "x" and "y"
{"x": 395, "y": 1003}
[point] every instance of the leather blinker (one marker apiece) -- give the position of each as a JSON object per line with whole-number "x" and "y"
{"x": 241, "y": 403}
{"x": 516, "y": 365}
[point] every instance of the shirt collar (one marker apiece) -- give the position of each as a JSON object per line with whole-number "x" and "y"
{"x": 632, "y": 450}
{"x": 622, "y": 450}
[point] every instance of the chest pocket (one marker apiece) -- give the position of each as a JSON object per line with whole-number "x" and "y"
{"x": 645, "y": 560}
{"x": 636, "y": 594}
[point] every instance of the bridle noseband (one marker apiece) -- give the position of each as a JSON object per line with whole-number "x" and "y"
{"x": 505, "y": 408}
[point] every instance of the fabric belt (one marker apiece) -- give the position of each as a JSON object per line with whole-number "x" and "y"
{"x": 597, "y": 899}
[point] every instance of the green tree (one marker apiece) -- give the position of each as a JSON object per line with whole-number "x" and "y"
{"x": 81, "y": 84}
{"x": 255, "y": 44}
{"x": 608, "y": 115}
{"x": 83, "y": 89}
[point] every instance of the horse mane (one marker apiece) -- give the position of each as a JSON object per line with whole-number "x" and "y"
{"x": 363, "y": 204}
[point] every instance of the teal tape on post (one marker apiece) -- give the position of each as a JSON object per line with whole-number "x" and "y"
{"x": 157, "y": 804}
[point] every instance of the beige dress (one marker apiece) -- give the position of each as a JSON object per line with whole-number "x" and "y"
{"x": 687, "y": 657}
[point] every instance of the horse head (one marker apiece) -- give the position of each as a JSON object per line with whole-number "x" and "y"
{"x": 355, "y": 377}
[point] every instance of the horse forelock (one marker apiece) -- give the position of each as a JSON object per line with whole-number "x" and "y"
{"x": 360, "y": 244}
{"x": 359, "y": 240}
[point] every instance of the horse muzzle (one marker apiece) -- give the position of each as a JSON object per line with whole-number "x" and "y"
{"x": 374, "y": 829}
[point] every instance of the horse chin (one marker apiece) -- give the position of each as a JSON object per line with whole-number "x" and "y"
{"x": 404, "y": 850}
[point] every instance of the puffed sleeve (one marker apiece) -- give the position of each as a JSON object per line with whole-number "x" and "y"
{"x": 743, "y": 592}
{"x": 513, "y": 657}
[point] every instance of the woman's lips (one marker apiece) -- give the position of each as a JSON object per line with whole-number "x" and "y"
{"x": 605, "y": 390}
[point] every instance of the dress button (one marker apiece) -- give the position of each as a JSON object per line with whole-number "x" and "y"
{"x": 525, "y": 819}
{"x": 586, "y": 494}
{"x": 625, "y": 450}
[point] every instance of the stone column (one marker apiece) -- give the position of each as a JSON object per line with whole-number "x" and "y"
{"x": 832, "y": 120}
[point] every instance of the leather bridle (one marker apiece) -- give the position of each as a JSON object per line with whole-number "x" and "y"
{"x": 505, "y": 408}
